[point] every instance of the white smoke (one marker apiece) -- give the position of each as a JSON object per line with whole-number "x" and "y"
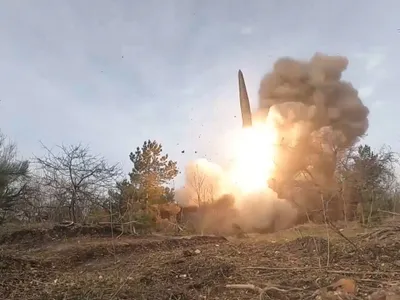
{"x": 204, "y": 182}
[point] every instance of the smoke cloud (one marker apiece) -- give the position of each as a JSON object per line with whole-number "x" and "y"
{"x": 204, "y": 183}
{"x": 316, "y": 115}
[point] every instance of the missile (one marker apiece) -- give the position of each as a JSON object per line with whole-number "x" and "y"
{"x": 244, "y": 102}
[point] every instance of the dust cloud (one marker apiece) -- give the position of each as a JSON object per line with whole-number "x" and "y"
{"x": 204, "y": 182}
{"x": 316, "y": 115}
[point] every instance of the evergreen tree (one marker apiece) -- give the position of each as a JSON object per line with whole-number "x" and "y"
{"x": 151, "y": 172}
{"x": 13, "y": 177}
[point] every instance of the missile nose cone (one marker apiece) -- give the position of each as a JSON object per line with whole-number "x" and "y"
{"x": 244, "y": 101}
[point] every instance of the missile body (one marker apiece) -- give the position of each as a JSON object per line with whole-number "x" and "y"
{"x": 244, "y": 102}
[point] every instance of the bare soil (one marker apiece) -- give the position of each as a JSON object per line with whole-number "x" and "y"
{"x": 292, "y": 264}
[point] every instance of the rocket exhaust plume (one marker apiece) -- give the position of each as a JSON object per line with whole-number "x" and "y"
{"x": 285, "y": 158}
{"x": 244, "y": 102}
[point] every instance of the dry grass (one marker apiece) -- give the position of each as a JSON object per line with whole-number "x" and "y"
{"x": 9, "y": 228}
{"x": 286, "y": 265}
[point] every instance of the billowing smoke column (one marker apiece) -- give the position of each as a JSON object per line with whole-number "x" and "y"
{"x": 317, "y": 115}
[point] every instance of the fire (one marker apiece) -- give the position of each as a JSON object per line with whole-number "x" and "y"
{"x": 254, "y": 152}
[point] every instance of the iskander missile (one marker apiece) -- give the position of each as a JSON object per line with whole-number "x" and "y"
{"x": 244, "y": 102}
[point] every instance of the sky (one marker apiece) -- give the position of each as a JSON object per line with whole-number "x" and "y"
{"x": 111, "y": 74}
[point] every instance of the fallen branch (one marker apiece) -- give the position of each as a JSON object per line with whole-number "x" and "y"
{"x": 389, "y": 273}
{"x": 66, "y": 223}
{"x": 389, "y": 212}
{"x": 244, "y": 287}
{"x": 285, "y": 269}
{"x": 381, "y": 234}
{"x": 119, "y": 224}
{"x": 388, "y": 283}
{"x": 261, "y": 291}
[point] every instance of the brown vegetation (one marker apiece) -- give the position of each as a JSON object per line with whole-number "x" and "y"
{"x": 298, "y": 263}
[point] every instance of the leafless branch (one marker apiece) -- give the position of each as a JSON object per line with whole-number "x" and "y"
{"x": 77, "y": 175}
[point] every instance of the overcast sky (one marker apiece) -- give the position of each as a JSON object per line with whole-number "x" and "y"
{"x": 111, "y": 74}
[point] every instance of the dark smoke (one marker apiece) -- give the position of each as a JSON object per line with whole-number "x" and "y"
{"x": 318, "y": 115}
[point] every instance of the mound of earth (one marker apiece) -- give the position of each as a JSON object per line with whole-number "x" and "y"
{"x": 39, "y": 235}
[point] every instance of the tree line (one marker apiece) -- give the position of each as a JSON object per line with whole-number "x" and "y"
{"x": 69, "y": 182}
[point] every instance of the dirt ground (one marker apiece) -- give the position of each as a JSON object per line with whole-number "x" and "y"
{"x": 299, "y": 263}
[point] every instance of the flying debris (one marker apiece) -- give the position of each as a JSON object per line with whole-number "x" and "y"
{"x": 244, "y": 102}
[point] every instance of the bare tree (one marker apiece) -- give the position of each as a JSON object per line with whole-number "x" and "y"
{"x": 369, "y": 178}
{"x": 201, "y": 185}
{"x": 77, "y": 178}
{"x": 32, "y": 206}
{"x": 40, "y": 202}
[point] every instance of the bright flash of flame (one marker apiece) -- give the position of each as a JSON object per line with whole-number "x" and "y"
{"x": 254, "y": 156}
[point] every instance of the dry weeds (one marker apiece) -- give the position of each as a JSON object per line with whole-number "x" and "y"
{"x": 285, "y": 265}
